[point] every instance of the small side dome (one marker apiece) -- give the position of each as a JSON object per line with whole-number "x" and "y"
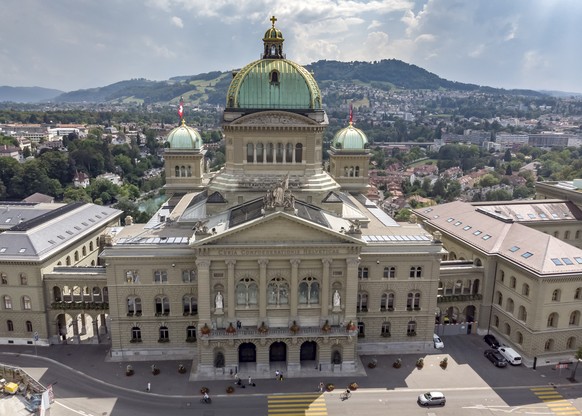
{"x": 184, "y": 137}
{"x": 273, "y": 34}
{"x": 350, "y": 138}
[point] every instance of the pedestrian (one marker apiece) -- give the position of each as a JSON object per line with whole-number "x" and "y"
{"x": 238, "y": 325}
{"x": 250, "y": 381}
{"x": 277, "y": 375}
{"x": 149, "y": 387}
{"x": 321, "y": 386}
{"x": 281, "y": 376}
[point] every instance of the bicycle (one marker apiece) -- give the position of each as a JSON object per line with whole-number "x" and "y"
{"x": 345, "y": 395}
{"x": 206, "y": 401}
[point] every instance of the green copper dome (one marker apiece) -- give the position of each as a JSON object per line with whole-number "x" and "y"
{"x": 350, "y": 138}
{"x": 274, "y": 84}
{"x": 184, "y": 137}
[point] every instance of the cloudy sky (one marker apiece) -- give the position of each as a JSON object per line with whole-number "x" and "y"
{"x": 74, "y": 44}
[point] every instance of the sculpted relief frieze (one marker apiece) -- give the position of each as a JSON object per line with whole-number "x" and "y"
{"x": 273, "y": 119}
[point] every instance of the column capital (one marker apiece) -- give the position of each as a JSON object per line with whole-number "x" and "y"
{"x": 230, "y": 262}
{"x": 295, "y": 262}
{"x": 326, "y": 262}
{"x": 263, "y": 262}
{"x": 203, "y": 263}
{"x": 353, "y": 261}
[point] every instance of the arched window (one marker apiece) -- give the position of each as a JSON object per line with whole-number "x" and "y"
{"x": 133, "y": 306}
{"x": 270, "y": 148}
{"x": 499, "y": 299}
{"x": 164, "y": 334}
{"x": 525, "y": 289}
{"x": 26, "y": 303}
{"x": 162, "y": 305}
{"x": 361, "y": 329}
{"x": 556, "y": 295}
{"x": 136, "y": 334}
{"x": 385, "y": 331}
{"x": 571, "y": 343}
{"x": 413, "y": 301}
{"x": 84, "y": 251}
{"x": 57, "y": 297}
{"x": 289, "y": 153}
{"x": 389, "y": 272}
{"x": 67, "y": 294}
{"x": 91, "y": 246}
{"x": 76, "y": 256}
{"x": 512, "y": 282}
{"x": 190, "y": 305}
{"x": 566, "y": 235}
{"x": 274, "y": 76}
{"x": 362, "y": 305}
{"x": 97, "y": 295}
{"x": 7, "y": 302}
{"x": 10, "y": 325}
{"x": 309, "y": 291}
{"x": 23, "y": 279}
{"x": 507, "y": 330}
{"x": 247, "y": 292}
{"x": 458, "y": 288}
{"x": 522, "y": 313}
{"x": 549, "y": 345}
{"x": 574, "y": 318}
{"x": 509, "y": 305}
{"x": 496, "y": 321}
{"x": 552, "y": 320}
{"x": 411, "y": 328}
{"x": 260, "y": 152}
{"x": 177, "y": 171}
{"x": 501, "y": 276}
{"x": 105, "y": 294}
{"x": 4, "y": 278}
{"x": 519, "y": 337}
{"x": 298, "y": 153}
{"x": 183, "y": 171}
{"x": 28, "y": 326}
{"x": 556, "y": 234}
{"x": 384, "y": 301}
{"x": 578, "y": 293}
{"x": 68, "y": 261}
{"x": 278, "y": 292}
{"x": 77, "y": 294}
{"x": 357, "y": 171}
{"x": 577, "y": 235}
{"x": 362, "y": 272}
{"x": 250, "y": 153}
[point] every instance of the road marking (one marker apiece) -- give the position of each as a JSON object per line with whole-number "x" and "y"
{"x": 556, "y": 403}
{"x": 297, "y": 405}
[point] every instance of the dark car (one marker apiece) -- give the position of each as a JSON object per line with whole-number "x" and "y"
{"x": 491, "y": 341}
{"x": 496, "y": 358}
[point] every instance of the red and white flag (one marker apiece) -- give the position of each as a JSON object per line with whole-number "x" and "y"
{"x": 181, "y": 108}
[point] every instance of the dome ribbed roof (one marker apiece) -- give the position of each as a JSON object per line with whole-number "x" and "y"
{"x": 184, "y": 137}
{"x": 350, "y": 138}
{"x": 273, "y": 34}
{"x": 274, "y": 84}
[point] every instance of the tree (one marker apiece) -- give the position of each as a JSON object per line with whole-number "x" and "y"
{"x": 507, "y": 156}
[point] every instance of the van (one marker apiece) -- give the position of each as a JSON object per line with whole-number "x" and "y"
{"x": 510, "y": 355}
{"x": 438, "y": 343}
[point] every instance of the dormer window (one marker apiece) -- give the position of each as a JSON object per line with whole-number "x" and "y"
{"x": 274, "y": 77}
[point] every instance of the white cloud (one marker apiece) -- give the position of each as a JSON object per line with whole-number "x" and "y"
{"x": 176, "y": 21}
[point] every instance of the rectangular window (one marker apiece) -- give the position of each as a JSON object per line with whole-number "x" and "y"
{"x": 160, "y": 276}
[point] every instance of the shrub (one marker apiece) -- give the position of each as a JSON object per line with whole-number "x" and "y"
{"x": 353, "y": 386}
{"x": 397, "y": 363}
{"x": 420, "y": 363}
{"x": 330, "y": 387}
{"x": 204, "y": 390}
{"x": 230, "y": 389}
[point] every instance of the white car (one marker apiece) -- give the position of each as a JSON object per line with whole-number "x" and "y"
{"x": 438, "y": 343}
{"x": 432, "y": 398}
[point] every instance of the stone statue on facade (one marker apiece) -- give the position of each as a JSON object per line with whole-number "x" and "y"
{"x": 218, "y": 301}
{"x": 337, "y": 299}
{"x": 280, "y": 196}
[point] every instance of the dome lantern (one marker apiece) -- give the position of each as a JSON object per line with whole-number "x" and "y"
{"x": 184, "y": 137}
{"x": 273, "y": 42}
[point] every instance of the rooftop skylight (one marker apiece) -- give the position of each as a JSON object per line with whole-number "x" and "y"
{"x": 514, "y": 249}
{"x": 527, "y": 255}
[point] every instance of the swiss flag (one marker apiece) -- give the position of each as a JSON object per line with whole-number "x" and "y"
{"x": 181, "y": 108}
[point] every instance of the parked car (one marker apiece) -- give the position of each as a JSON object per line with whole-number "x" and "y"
{"x": 496, "y": 358}
{"x": 491, "y": 341}
{"x": 432, "y": 398}
{"x": 438, "y": 343}
{"x": 510, "y": 355}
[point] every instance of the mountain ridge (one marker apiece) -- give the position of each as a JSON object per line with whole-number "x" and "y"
{"x": 211, "y": 87}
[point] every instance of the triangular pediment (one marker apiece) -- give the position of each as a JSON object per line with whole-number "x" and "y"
{"x": 276, "y": 229}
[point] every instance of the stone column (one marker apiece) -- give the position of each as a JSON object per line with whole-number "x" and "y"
{"x": 230, "y": 301}
{"x": 325, "y": 289}
{"x": 263, "y": 289}
{"x": 293, "y": 298}
{"x": 204, "y": 303}
{"x": 75, "y": 324}
{"x": 351, "y": 292}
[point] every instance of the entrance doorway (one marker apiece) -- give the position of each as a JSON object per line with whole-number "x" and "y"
{"x": 308, "y": 351}
{"x": 278, "y": 352}
{"x": 247, "y": 353}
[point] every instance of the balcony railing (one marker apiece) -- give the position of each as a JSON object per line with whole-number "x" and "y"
{"x": 459, "y": 298}
{"x": 275, "y": 332}
{"x": 80, "y": 305}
